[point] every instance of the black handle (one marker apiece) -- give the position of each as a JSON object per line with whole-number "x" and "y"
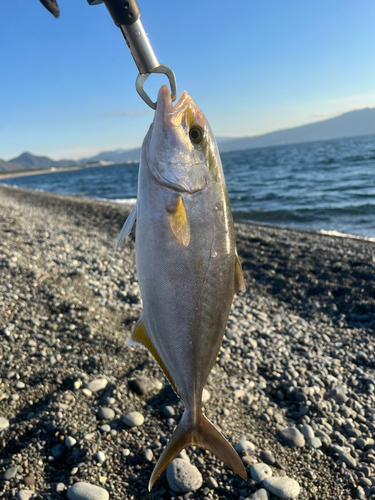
{"x": 123, "y": 12}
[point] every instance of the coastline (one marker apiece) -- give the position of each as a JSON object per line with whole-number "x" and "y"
{"x": 69, "y": 303}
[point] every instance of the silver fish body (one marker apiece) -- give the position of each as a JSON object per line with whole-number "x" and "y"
{"x": 187, "y": 265}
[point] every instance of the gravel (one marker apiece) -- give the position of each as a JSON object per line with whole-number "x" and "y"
{"x": 298, "y": 351}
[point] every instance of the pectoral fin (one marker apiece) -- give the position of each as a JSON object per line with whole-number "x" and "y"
{"x": 127, "y": 227}
{"x": 179, "y": 221}
{"x": 239, "y": 281}
{"x": 141, "y": 337}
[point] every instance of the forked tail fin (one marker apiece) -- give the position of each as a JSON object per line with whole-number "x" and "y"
{"x": 205, "y": 435}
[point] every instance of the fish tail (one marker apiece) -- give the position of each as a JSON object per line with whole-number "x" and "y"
{"x": 203, "y": 434}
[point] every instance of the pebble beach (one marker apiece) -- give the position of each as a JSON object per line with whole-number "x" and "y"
{"x": 84, "y": 417}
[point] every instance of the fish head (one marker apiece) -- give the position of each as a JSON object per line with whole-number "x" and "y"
{"x": 180, "y": 144}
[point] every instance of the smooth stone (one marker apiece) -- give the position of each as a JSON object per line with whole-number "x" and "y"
{"x": 148, "y": 455}
{"x": 25, "y": 494}
{"x": 142, "y": 385}
{"x": 260, "y": 471}
{"x": 19, "y": 385}
{"x": 97, "y": 384}
{"x": 100, "y": 456}
{"x": 182, "y": 476}
{"x": 282, "y": 487}
{"x": 183, "y": 455}
{"x": 70, "y": 441}
{"x": 348, "y": 459}
{"x": 205, "y": 395}
{"x": 244, "y": 446}
{"x": 57, "y": 450}
{"x": 60, "y": 487}
{"x": 267, "y": 457}
{"x": 9, "y": 473}
{"x": 211, "y": 483}
{"x": 86, "y": 491}
{"x": 29, "y": 481}
{"x": 105, "y": 428}
{"x": 308, "y": 432}
{"x": 315, "y": 443}
{"x": 133, "y": 419}
{"x": 292, "y": 437}
{"x": 261, "y": 494}
{"x": 169, "y": 411}
{"x": 4, "y": 424}
{"x": 106, "y": 414}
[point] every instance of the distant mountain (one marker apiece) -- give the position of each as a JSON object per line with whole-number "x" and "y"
{"x": 117, "y": 156}
{"x": 351, "y": 124}
{"x": 354, "y": 123}
{"x": 28, "y": 161}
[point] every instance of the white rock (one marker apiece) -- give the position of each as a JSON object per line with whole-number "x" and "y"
{"x": 133, "y": 419}
{"x": 25, "y": 494}
{"x": 205, "y": 396}
{"x": 260, "y": 471}
{"x": 244, "y": 446}
{"x": 97, "y": 384}
{"x": 182, "y": 476}
{"x": 86, "y": 491}
{"x": 4, "y": 424}
{"x": 282, "y": 487}
{"x": 100, "y": 456}
{"x": 70, "y": 441}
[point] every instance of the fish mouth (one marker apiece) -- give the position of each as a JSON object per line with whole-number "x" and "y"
{"x": 173, "y": 115}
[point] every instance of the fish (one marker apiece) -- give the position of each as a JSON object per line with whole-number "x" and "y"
{"x": 187, "y": 265}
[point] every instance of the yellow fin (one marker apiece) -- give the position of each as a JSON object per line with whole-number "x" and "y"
{"x": 179, "y": 221}
{"x": 140, "y": 336}
{"x": 203, "y": 434}
{"x": 239, "y": 281}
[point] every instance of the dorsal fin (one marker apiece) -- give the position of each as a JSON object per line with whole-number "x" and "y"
{"x": 141, "y": 337}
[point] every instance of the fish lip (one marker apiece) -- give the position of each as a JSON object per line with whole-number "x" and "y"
{"x": 172, "y": 114}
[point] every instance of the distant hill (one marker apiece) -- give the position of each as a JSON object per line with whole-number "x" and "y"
{"x": 28, "y": 161}
{"x": 117, "y": 156}
{"x": 351, "y": 124}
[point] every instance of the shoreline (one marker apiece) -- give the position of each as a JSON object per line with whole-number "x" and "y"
{"x": 332, "y": 233}
{"x": 27, "y": 173}
{"x": 298, "y": 351}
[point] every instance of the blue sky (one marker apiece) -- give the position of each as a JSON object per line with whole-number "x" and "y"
{"x": 253, "y": 66}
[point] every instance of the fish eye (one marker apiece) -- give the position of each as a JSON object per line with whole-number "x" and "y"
{"x": 196, "y": 134}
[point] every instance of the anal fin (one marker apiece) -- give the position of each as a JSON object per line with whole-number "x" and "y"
{"x": 141, "y": 337}
{"x": 239, "y": 280}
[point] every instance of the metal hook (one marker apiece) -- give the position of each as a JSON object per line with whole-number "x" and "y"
{"x": 141, "y": 78}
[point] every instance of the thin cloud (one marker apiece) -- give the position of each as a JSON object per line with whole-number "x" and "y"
{"x": 129, "y": 112}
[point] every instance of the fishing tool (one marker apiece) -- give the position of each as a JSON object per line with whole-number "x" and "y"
{"x": 126, "y": 16}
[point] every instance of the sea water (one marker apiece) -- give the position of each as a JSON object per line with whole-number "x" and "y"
{"x": 326, "y": 185}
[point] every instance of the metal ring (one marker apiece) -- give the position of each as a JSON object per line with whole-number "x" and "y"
{"x": 141, "y": 79}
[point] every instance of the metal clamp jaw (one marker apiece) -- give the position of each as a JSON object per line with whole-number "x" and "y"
{"x": 126, "y": 15}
